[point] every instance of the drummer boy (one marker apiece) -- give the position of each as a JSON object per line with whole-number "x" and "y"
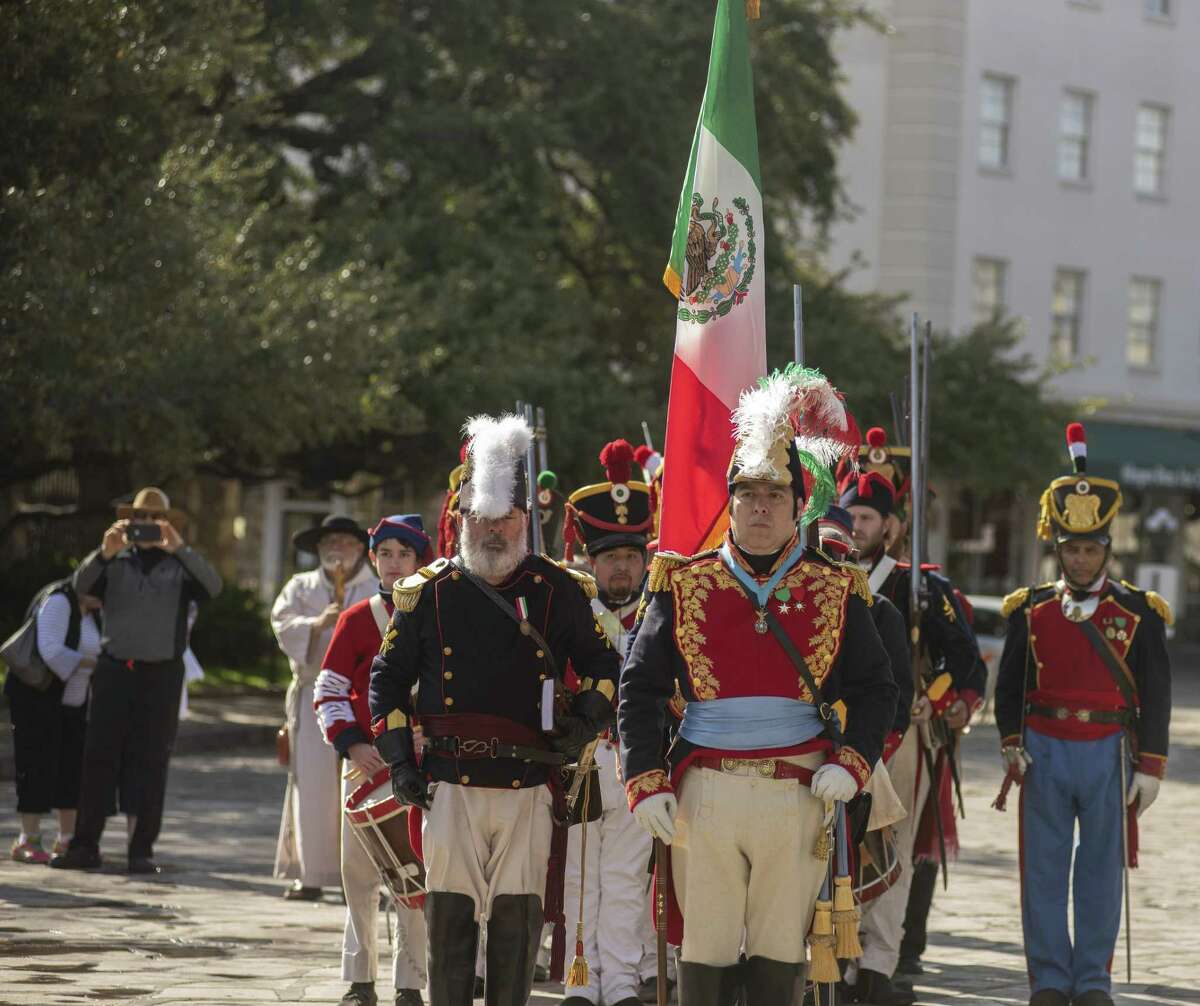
{"x": 398, "y": 545}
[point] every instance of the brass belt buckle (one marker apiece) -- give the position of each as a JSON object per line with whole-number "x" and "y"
{"x": 729, "y": 764}
{"x": 766, "y": 767}
{"x": 1061, "y": 713}
{"x": 1083, "y": 715}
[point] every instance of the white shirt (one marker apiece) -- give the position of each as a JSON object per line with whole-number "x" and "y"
{"x": 297, "y": 609}
{"x": 53, "y": 620}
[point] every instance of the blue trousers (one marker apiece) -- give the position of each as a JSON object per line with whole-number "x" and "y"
{"x": 1071, "y": 781}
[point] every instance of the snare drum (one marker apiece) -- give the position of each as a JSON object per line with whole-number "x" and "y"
{"x": 380, "y": 824}
{"x": 877, "y": 865}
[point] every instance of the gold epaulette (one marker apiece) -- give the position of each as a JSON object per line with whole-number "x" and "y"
{"x": 1157, "y": 602}
{"x": 586, "y": 582}
{"x": 660, "y": 570}
{"x": 1014, "y": 600}
{"x": 407, "y": 592}
{"x": 862, "y": 583}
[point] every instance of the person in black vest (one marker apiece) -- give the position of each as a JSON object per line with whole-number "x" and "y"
{"x": 953, "y": 679}
{"x": 146, "y": 576}
{"x": 485, "y": 638}
{"x": 48, "y": 723}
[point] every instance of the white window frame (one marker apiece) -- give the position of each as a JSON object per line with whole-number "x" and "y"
{"x": 1085, "y": 138}
{"x": 1160, "y": 16}
{"x": 1160, "y": 154}
{"x": 1004, "y": 125}
{"x": 1151, "y": 327}
{"x": 1000, "y": 274}
{"x": 1073, "y": 319}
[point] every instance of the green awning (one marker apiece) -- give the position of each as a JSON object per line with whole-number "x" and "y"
{"x": 1145, "y": 457}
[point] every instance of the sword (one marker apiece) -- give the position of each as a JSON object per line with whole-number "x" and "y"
{"x": 582, "y": 767}
{"x": 1125, "y": 868}
{"x": 660, "y": 920}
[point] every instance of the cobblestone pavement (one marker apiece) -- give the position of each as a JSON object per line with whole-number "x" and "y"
{"x": 214, "y": 930}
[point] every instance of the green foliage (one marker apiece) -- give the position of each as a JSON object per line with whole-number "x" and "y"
{"x": 298, "y": 235}
{"x": 232, "y": 630}
{"x": 991, "y": 425}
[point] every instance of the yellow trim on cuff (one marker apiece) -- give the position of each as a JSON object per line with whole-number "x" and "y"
{"x": 396, "y": 720}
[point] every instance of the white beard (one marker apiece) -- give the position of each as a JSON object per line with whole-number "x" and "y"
{"x": 488, "y": 563}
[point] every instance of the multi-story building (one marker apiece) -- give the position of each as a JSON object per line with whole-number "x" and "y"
{"x": 1041, "y": 158}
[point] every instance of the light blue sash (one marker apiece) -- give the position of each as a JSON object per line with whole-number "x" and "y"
{"x": 761, "y": 591}
{"x": 750, "y": 723}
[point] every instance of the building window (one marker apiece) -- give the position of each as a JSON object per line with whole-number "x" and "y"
{"x": 987, "y": 289}
{"x": 1067, "y": 315}
{"x": 1144, "y": 298}
{"x": 1158, "y": 9}
{"x": 995, "y": 120}
{"x": 1151, "y": 153}
{"x": 1075, "y": 128}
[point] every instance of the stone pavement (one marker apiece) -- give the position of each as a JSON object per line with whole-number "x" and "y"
{"x": 213, "y": 929}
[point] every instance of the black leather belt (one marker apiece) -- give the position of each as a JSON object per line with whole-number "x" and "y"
{"x": 1121, "y": 716}
{"x": 473, "y": 748}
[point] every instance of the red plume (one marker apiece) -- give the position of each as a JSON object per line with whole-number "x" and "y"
{"x": 617, "y": 458}
{"x": 875, "y": 478}
{"x": 876, "y": 437}
{"x": 641, "y": 454}
{"x": 1075, "y": 433}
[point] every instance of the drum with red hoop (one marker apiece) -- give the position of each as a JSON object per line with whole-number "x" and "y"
{"x": 381, "y": 825}
{"x": 877, "y": 864}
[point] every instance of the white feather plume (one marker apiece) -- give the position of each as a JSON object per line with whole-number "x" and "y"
{"x": 762, "y": 418}
{"x": 496, "y": 447}
{"x": 795, "y": 401}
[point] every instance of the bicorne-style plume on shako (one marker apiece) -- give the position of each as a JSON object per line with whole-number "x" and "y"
{"x": 493, "y": 481}
{"x": 877, "y": 462}
{"x": 793, "y": 430}
{"x": 1078, "y": 506}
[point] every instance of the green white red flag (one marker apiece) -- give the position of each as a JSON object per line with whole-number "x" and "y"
{"x": 716, "y": 272}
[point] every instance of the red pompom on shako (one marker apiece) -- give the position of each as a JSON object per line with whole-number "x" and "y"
{"x": 617, "y": 458}
{"x": 1077, "y": 445}
{"x": 876, "y": 437}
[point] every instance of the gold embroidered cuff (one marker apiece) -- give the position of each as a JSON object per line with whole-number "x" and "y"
{"x": 647, "y": 784}
{"x": 855, "y": 764}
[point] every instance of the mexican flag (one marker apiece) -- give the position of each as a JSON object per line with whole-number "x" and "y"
{"x": 716, "y": 273}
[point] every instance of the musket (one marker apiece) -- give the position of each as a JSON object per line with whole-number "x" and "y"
{"x": 531, "y": 496}
{"x": 917, "y": 600}
{"x": 1125, "y": 869}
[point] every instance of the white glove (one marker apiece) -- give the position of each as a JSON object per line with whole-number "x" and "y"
{"x": 1016, "y": 758}
{"x": 832, "y": 782}
{"x": 1144, "y": 787}
{"x": 657, "y": 815}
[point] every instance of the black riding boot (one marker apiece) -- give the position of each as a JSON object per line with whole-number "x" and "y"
{"x": 514, "y": 934}
{"x": 768, "y": 982}
{"x": 453, "y": 940}
{"x": 706, "y": 985}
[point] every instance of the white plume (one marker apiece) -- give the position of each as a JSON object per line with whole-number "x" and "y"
{"x": 497, "y": 446}
{"x": 762, "y": 418}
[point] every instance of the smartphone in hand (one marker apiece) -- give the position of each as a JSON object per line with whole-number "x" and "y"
{"x": 143, "y": 532}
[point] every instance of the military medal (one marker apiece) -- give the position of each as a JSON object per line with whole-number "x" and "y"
{"x": 760, "y": 621}
{"x": 523, "y": 611}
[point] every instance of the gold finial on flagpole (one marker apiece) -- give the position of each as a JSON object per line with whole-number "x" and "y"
{"x": 752, "y": 11}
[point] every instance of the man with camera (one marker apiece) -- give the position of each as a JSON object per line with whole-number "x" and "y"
{"x": 146, "y": 576}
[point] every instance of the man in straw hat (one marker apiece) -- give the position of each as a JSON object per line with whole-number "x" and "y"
{"x": 1083, "y": 705}
{"x": 760, "y": 636}
{"x": 485, "y": 638}
{"x": 302, "y": 619}
{"x": 146, "y": 576}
